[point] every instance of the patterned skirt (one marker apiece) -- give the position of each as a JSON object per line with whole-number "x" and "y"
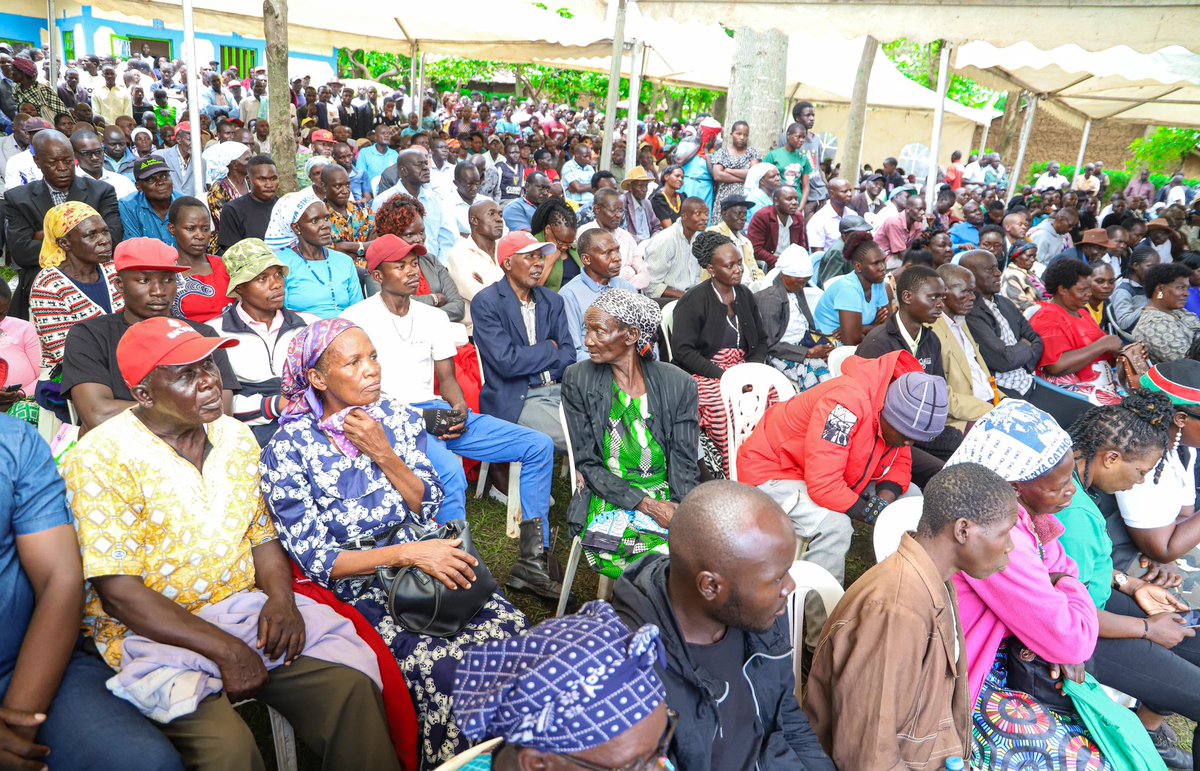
{"x": 714, "y": 423}
{"x": 638, "y": 535}
{"x": 428, "y": 664}
{"x": 1013, "y": 732}
{"x": 803, "y": 374}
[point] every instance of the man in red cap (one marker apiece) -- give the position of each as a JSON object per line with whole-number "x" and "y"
{"x": 146, "y": 269}
{"x": 322, "y": 142}
{"x": 176, "y": 541}
{"x": 179, "y": 160}
{"x": 415, "y": 342}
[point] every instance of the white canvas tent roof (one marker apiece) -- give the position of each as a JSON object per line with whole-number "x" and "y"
{"x": 1160, "y": 88}
{"x": 1097, "y": 24}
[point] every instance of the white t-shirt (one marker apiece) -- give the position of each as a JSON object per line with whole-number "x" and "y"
{"x": 1147, "y": 505}
{"x": 407, "y": 345}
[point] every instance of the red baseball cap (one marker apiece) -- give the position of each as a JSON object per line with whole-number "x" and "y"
{"x": 183, "y": 128}
{"x": 146, "y": 254}
{"x": 390, "y": 248}
{"x": 520, "y": 242}
{"x": 163, "y": 342}
{"x": 322, "y": 135}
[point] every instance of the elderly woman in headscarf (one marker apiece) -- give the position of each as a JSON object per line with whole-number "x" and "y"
{"x": 348, "y": 466}
{"x": 320, "y": 280}
{"x": 143, "y": 141}
{"x": 225, "y": 172}
{"x": 1035, "y": 606}
{"x": 761, "y": 182}
{"x": 795, "y": 347}
{"x": 530, "y": 693}
{"x": 634, "y": 427}
{"x": 77, "y": 281}
{"x": 312, "y": 171}
{"x": 1019, "y": 284}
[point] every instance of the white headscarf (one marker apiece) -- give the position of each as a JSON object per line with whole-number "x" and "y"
{"x": 217, "y": 159}
{"x": 754, "y": 176}
{"x": 286, "y": 211}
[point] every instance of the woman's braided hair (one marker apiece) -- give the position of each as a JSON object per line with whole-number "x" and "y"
{"x": 857, "y": 244}
{"x": 397, "y": 213}
{"x": 1140, "y": 424}
{"x": 705, "y": 243}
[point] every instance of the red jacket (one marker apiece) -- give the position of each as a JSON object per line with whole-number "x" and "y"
{"x": 828, "y": 437}
{"x": 764, "y": 234}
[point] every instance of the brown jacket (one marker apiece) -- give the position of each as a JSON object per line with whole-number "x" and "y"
{"x": 885, "y": 690}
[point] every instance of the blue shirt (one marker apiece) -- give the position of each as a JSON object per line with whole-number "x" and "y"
{"x": 964, "y": 234}
{"x": 507, "y": 127}
{"x": 578, "y": 294}
{"x": 847, "y": 294}
{"x": 32, "y": 500}
{"x": 518, "y": 215}
{"x": 141, "y": 221}
{"x": 372, "y": 163}
{"x": 360, "y": 184}
{"x": 698, "y": 182}
{"x": 324, "y": 288}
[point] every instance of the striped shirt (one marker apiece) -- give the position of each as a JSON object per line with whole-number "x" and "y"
{"x": 56, "y": 304}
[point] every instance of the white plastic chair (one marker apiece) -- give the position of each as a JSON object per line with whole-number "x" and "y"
{"x": 576, "y": 554}
{"x": 809, "y": 577}
{"x": 668, "y": 324}
{"x": 284, "y": 738}
{"x": 744, "y": 408}
{"x": 1029, "y": 312}
{"x": 466, "y": 756}
{"x": 894, "y": 521}
{"x": 513, "y": 527}
{"x": 838, "y": 356}
{"x": 813, "y": 295}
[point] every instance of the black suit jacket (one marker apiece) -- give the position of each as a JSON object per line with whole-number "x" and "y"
{"x": 25, "y": 213}
{"x": 986, "y": 331}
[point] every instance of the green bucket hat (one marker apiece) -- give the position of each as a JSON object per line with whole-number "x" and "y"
{"x": 246, "y": 259}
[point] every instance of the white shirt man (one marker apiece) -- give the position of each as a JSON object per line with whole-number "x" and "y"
{"x": 472, "y": 269}
{"x": 823, "y": 228}
{"x": 21, "y": 170}
{"x": 120, "y": 183}
{"x": 407, "y": 345}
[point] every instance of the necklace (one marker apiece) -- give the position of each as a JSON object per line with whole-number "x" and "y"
{"x": 735, "y": 325}
{"x": 404, "y": 336}
{"x": 674, "y": 206}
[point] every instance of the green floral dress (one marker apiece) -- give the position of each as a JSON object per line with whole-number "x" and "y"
{"x": 615, "y": 538}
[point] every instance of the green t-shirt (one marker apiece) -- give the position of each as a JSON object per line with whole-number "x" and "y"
{"x": 1086, "y": 541}
{"x": 793, "y": 167}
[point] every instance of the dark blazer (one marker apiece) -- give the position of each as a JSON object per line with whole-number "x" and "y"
{"x": 440, "y": 283}
{"x": 986, "y": 331}
{"x": 700, "y": 325}
{"x": 25, "y": 213}
{"x": 629, "y": 204}
{"x": 775, "y": 310}
{"x": 587, "y": 394}
{"x": 887, "y": 338}
{"x": 764, "y": 233}
{"x": 510, "y": 364}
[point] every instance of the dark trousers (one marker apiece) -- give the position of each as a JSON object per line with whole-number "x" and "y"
{"x": 1164, "y": 680}
{"x": 336, "y": 711}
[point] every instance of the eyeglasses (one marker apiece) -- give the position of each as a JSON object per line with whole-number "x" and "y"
{"x": 652, "y": 763}
{"x": 90, "y": 153}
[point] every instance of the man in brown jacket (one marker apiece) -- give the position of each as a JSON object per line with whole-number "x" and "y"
{"x": 888, "y": 687}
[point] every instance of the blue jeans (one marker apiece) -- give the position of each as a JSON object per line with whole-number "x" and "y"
{"x": 88, "y": 728}
{"x": 494, "y": 441}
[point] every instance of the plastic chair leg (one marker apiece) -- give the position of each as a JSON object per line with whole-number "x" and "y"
{"x": 605, "y": 589}
{"x": 569, "y": 574}
{"x": 285, "y": 742}
{"x": 514, "y": 500}
{"x": 481, "y": 485}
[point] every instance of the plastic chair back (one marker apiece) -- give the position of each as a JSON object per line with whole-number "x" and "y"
{"x": 745, "y": 391}
{"x": 668, "y": 324}
{"x": 894, "y": 521}
{"x": 466, "y": 756}
{"x": 809, "y": 577}
{"x": 838, "y": 356}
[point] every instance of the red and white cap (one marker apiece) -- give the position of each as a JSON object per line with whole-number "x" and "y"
{"x": 163, "y": 342}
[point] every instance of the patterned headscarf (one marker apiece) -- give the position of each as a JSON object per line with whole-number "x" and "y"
{"x": 1020, "y": 248}
{"x": 217, "y": 159}
{"x": 633, "y": 310}
{"x": 305, "y": 349}
{"x": 287, "y": 210}
{"x": 1016, "y": 440}
{"x": 568, "y": 685}
{"x": 59, "y": 221}
{"x": 314, "y": 162}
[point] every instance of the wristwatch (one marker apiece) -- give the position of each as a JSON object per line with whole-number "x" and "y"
{"x": 1120, "y": 579}
{"x": 362, "y": 249}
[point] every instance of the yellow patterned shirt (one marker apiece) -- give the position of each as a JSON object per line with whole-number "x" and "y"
{"x": 143, "y": 510}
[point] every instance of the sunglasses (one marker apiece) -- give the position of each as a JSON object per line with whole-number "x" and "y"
{"x": 656, "y": 761}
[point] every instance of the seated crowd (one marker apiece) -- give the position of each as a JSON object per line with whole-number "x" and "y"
{"x": 262, "y": 414}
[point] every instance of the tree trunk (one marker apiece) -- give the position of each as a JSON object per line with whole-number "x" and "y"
{"x": 1009, "y": 124}
{"x": 758, "y": 83}
{"x": 283, "y": 136}
{"x": 851, "y": 150}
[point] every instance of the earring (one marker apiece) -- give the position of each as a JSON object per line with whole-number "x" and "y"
{"x": 1159, "y": 295}
{"x": 1178, "y": 439}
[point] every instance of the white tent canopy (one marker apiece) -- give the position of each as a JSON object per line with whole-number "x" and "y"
{"x": 1117, "y": 84}
{"x": 1096, "y": 24}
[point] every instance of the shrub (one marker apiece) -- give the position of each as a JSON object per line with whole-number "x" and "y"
{"x": 1117, "y": 180}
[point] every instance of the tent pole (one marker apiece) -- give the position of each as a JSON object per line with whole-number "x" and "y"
{"x": 55, "y": 44}
{"x": 1014, "y": 181}
{"x": 614, "y": 87}
{"x": 939, "y": 113}
{"x": 1083, "y": 143}
{"x": 852, "y": 153}
{"x": 635, "y": 106}
{"x": 413, "y": 66}
{"x": 193, "y": 98}
{"x": 987, "y": 127}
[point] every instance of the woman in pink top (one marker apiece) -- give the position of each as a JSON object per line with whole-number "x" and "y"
{"x": 20, "y": 356}
{"x": 1037, "y": 602}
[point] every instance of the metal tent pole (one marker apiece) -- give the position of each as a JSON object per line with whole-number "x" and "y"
{"x": 193, "y": 98}
{"x": 614, "y": 87}
{"x": 1014, "y": 181}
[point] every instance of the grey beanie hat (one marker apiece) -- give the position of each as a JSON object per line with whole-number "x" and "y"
{"x": 917, "y": 405}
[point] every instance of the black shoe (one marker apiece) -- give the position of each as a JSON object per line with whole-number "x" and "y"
{"x": 1175, "y": 758}
{"x": 531, "y": 573}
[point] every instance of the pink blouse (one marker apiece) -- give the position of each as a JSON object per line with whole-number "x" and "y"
{"x": 19, "y": 346}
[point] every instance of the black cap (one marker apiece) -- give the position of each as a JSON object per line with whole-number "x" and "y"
{"x": 852, "y": 223}
{"x": 149, "y": 166}
{"x": 734, "y": 201}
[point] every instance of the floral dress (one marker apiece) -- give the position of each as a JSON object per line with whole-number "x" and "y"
{"x": 726, "y": 189}
{"x": 615, "y": 538}
{"x": 321, "y": 498}
{"x": 220, "y": 194}
{"x": 356, "y": 225}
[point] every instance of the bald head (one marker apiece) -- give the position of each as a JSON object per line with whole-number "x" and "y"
{"x": 722, "y": 523}
{"x": 48, "y": 138}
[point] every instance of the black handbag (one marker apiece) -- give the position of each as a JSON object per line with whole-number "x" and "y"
{"x": 421, "y": 603}
{"x": 1030, "y": 673}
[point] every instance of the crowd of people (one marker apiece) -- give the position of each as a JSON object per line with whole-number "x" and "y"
{"x": 236, "y": 422}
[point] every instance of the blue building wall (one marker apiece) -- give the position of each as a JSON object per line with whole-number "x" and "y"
{"x": 32, "y": 30}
